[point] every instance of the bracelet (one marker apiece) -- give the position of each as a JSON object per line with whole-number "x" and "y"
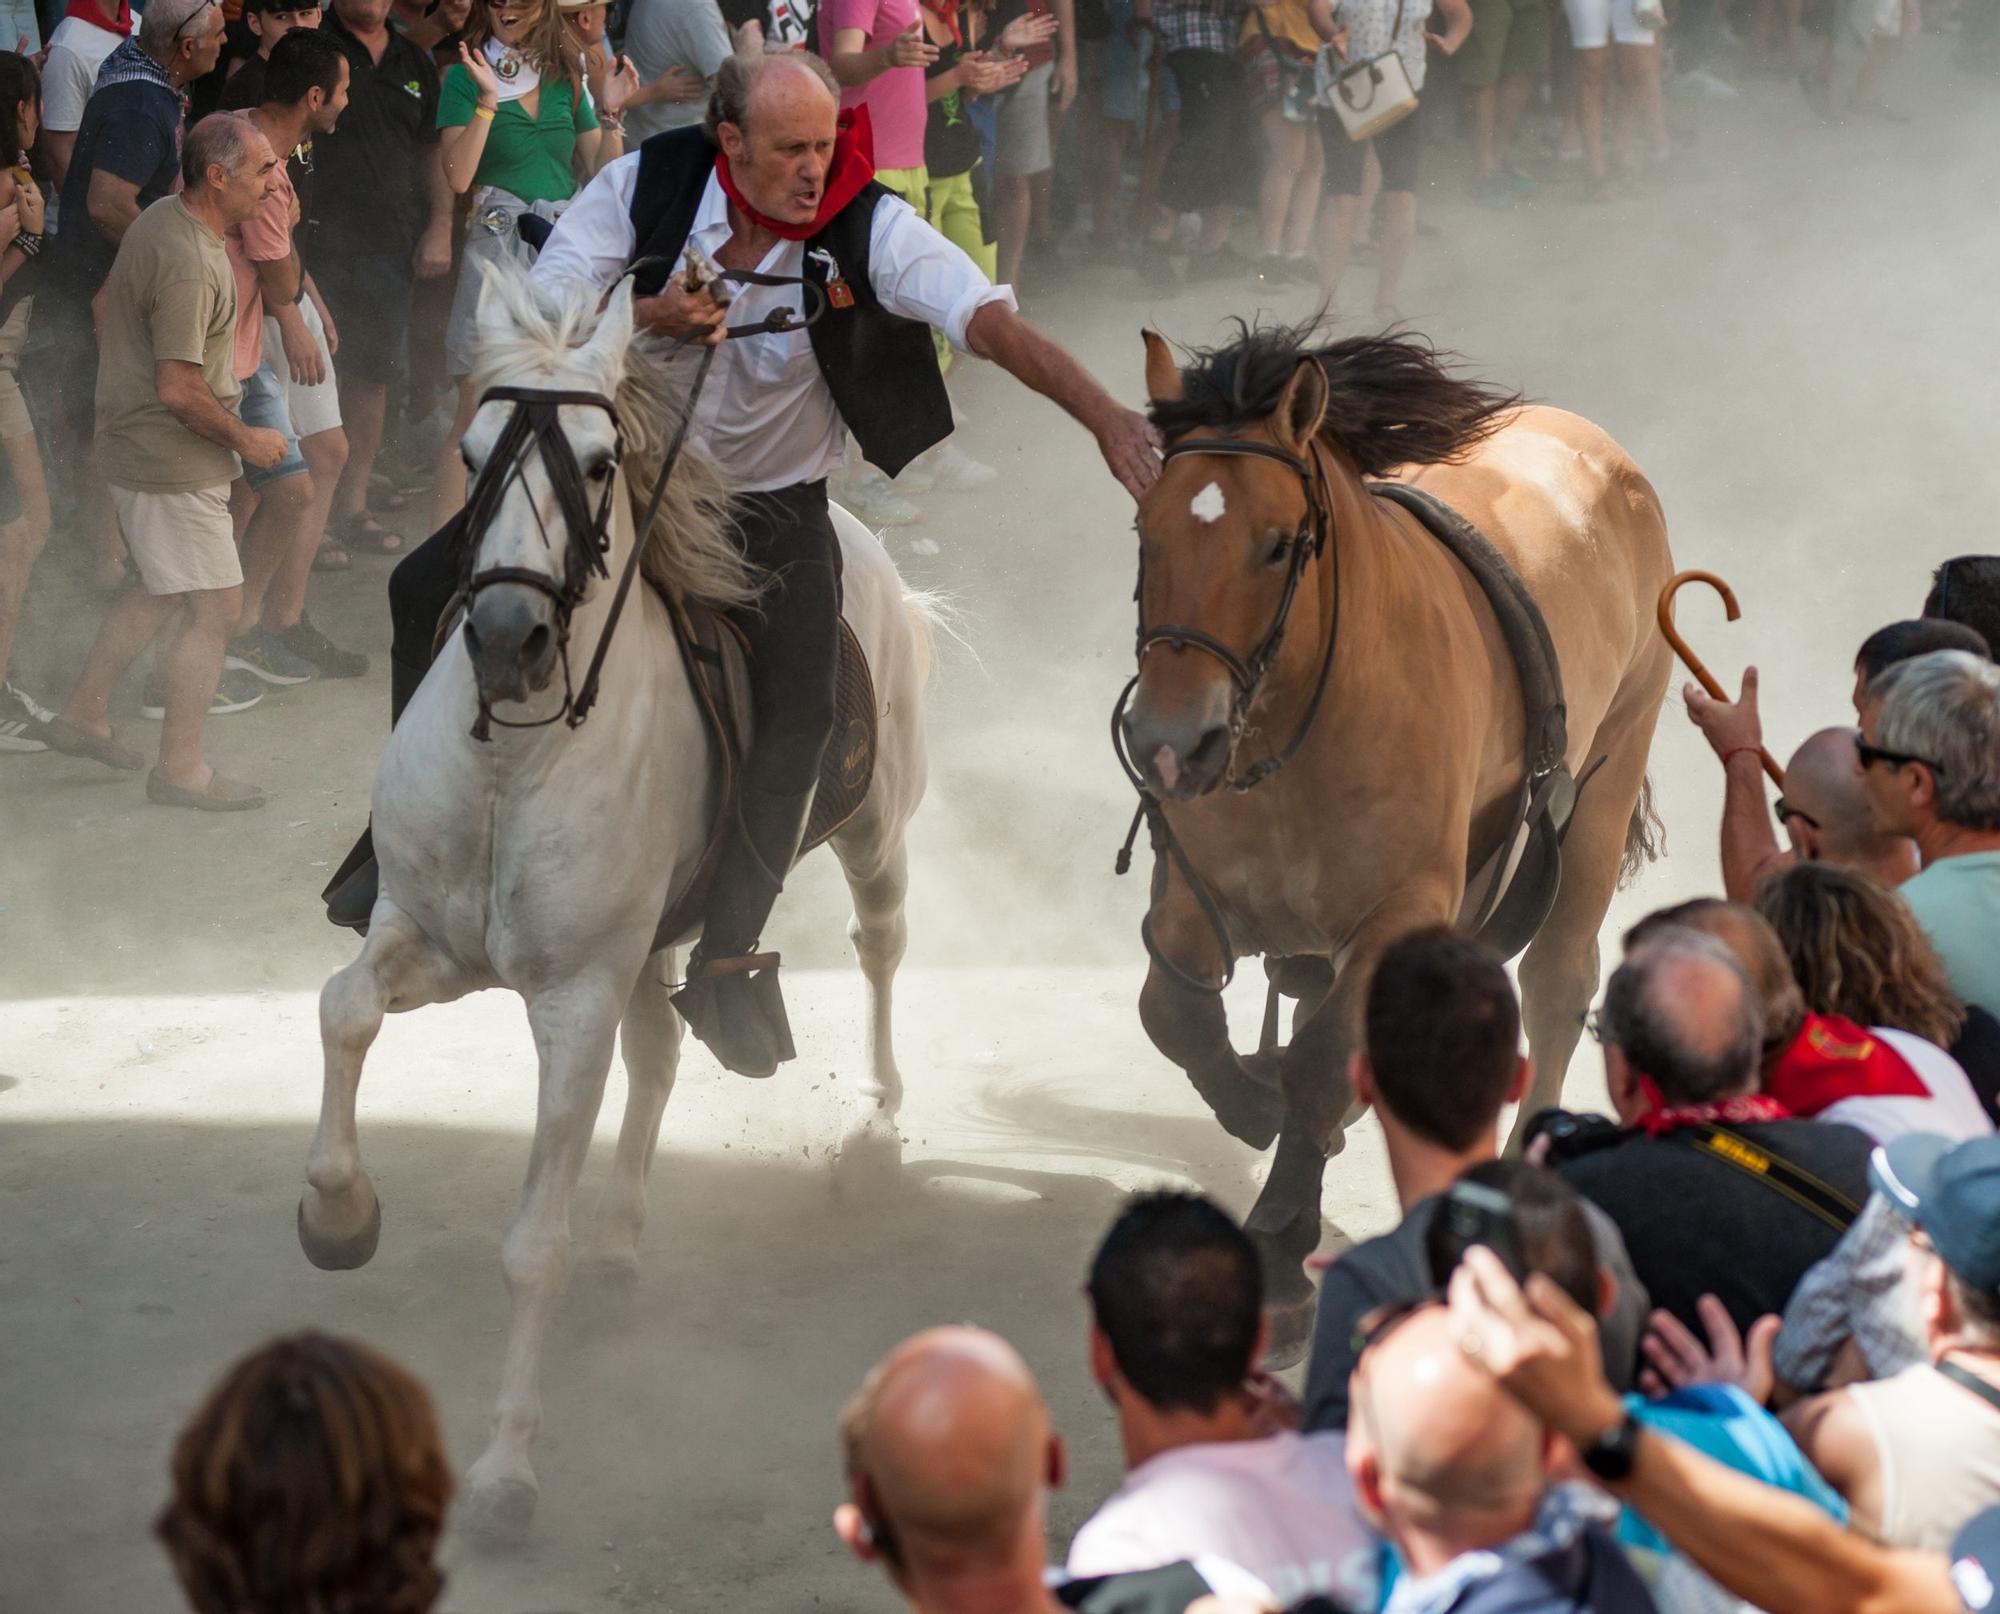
{"x": 614, "y": 121}
{"x": 483, "y": 112}
{"x": 1756, "y": 751}
{"x": 29, "y": 243}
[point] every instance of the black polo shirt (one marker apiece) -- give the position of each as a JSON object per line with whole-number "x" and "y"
{"x": 369, "y": 190}
{"x": 1695, "y": 1224}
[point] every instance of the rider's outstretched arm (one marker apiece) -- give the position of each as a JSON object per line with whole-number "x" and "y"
{"x": 1129, "y": 445}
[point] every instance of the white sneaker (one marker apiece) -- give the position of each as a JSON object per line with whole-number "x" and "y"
{"x": 870, "y": 497}
{"x": 952, "y": 470}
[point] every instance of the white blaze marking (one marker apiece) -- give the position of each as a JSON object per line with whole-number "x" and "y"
{"x": 1208, "y": 504}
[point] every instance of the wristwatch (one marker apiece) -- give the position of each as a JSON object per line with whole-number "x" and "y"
{"x": 1611, "y": 1455}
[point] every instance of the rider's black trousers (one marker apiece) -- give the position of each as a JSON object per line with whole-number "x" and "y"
{"x": 793, "y": 628}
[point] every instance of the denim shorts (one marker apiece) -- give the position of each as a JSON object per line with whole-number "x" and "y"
{"x": 264, "y": 408}
{"x": 1126, "y": 69}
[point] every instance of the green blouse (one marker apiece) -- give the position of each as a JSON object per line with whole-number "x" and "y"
{"x": 528, "y": 156}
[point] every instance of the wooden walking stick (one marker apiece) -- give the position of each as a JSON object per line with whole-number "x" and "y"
{"x": 1693, "y": 662}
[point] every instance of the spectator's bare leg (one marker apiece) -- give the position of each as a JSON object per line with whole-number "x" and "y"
{"x": 1338, "y": 223}
{"x": 1515, "y": 91}
{"x": 192, "y": 666}
{"x": 362, "y": 407}
{"x": 449, "y": 491}
{"x": 1012, "y": 205}
{"x": 1640, "y": 105}
{"x": 1284, "y": 150}
{"x": 1107, "y": 178}
{"x": 274, "y": 532}
{"x": 1371, "y": 193}
{"x": 1304, "y": 207}
{"x": 21, "y": 540}
{"x": 285, "y": 598}
{"x": 1593, "y": 72}
{"x": 135, "y": 616}
{"x": 1483, "y": 103}
{"x": 1399, "y": 231}
{"x": 1152, "y": 162}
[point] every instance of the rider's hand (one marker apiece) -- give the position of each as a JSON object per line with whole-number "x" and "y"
{"x": 680, "y": 312}
{"x": 262, "y": 447}
{"x": 1727, "y": 726}
{"x": 1131, "y": 448}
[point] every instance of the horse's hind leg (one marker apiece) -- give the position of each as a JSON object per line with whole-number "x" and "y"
{"x": 877, "y": 866}
{"x": 1560, "y": 968}
{"x": 650, "y": 1038}
{"x": 340, "y": 1219}
{"x": 574, "y": 1026}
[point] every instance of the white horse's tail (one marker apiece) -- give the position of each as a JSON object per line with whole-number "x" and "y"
{"x": 929, "y": 613}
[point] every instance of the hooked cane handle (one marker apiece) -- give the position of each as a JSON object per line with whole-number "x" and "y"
{"x": 1703, "y": 676}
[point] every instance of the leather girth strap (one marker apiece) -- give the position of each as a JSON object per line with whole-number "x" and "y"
{"x": 1510, "y": 895}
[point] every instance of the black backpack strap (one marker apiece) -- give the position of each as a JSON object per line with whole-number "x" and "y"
{"x": 1968, "y": 1380}
{"x": 1774, "y": 1171}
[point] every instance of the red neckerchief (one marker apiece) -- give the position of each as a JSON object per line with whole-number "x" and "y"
{"x": 84, "y": 11}
{"x": 1833, "y": 1059}
{"x": 1748, "y": 1110}
{"x": 853, "y": 166}
{"x": 947, "y": 13}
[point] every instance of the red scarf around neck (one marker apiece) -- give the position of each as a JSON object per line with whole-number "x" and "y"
{"x": 853, "y": 166}
{"x": 1747, "y": 1110}
{"x": 1832, "y": 1059}
{"x": 85, "y": 11}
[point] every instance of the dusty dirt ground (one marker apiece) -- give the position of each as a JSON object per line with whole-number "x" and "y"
{"x": 1793, "y": 332}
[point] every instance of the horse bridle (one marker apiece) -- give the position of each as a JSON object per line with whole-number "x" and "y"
{"x": 1246, "y": 676}
{"x": 534, "y": 424}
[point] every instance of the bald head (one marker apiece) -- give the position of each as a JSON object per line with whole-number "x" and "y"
{"x": 775, "y": 118}
{"x": 948, "y": 1443}
{"x": 1754, "y": 944}
{"x": 1830, "y": 821}
{"x": 1682, "y": 1011}
{"x": 1438, "y": 1450}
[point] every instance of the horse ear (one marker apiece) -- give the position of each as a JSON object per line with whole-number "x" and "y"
{"x": 1303, "y": 405}
{"x": 613, "y": 334}
{"x": 1163, "y": 376}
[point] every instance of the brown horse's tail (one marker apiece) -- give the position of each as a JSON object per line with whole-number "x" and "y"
{"x": 1645, "y": 836}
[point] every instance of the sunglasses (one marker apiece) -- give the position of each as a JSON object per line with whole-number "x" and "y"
{"x": 1786, "y": 811}
{"x": 1872, "y": 754}
{"x": 1378, "y": 1324}
{"x": 202, "y": 11}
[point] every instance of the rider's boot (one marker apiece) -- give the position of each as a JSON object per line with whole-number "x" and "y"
{"x": 350, "y": 895}
{"x": 732, "y": 1001}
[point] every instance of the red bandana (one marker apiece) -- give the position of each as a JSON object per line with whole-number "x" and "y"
{"x": 853, "y": 166}
{"x": 1833, "y": 1059}
{"x": 85, "y": 11}
{"x": 1748, "y": 1110}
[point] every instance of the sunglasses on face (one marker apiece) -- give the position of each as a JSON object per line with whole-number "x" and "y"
{"x": 1786, "y": 812}
{"x": 1871, "y": 754}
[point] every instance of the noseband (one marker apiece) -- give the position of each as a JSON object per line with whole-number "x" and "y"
{"x": 1246, "y": 677}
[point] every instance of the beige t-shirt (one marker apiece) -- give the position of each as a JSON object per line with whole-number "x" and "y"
{"x": 170, "y": 296}
{"x": 1939, "y": 1447}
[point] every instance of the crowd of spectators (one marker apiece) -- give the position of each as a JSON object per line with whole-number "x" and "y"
{"x": 1734, "y": 1345}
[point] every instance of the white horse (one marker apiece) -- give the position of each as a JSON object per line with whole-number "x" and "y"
{"x": 542, "y": 860}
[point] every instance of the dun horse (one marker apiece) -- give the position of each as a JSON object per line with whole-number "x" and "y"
{"x": 1308, "y": 638}
{"x": 542, "y": 860}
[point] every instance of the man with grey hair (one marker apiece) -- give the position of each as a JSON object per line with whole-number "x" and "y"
{"x": 168, "y": 437}
{"x": 1930, "y": 763}
{"x": 1716, "y": 1188}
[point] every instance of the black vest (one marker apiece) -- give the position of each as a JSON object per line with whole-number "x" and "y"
{"x": 882, "y": 369}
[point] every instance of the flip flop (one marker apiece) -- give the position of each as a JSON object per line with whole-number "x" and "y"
{"x": 64, "y": 736}
{"x": 330, "y": 557}
{"x": 363, "y": 532}
{"x": 223, "y": 795}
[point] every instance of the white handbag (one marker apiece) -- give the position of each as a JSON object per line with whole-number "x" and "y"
{"x": 1368, "y": 97}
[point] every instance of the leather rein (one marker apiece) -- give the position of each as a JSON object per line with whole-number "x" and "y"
{"x": 1314, "y": 535}
{"x": 535, "y": 426}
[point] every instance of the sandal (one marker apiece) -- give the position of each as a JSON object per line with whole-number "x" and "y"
{"x": 363, "y": 532}
{"x": 330, "y": 557}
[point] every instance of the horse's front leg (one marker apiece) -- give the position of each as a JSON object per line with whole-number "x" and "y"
{"x": 340, "y": 1218}
{"x": 873, "y": 857}
{"x": 650, "y": 1039}
{"x": 574, "y": 1025}
{"x": 1285, "y": 1221}
{"x": 1182, "y": 1010}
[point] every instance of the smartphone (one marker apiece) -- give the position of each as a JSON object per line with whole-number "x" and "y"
{"x": 1471, "y": 1213}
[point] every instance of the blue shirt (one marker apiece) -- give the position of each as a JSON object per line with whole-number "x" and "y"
{"x": 131, "y": 129}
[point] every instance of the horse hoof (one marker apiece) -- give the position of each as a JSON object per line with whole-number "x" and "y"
{"x": 1250, "y": 1115}
{"x": 1291, "y": 1330}
{"x": 497, "y": 1514}
{"x": 868, "y": 1159}
{"x": 341, "y": 1254}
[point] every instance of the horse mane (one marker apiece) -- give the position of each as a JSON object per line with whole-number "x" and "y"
{"x": 1392, "y": 399}
{"x": 692, "y": 550}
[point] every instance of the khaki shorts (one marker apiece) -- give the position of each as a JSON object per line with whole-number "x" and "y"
{"x": 182, "y": 543}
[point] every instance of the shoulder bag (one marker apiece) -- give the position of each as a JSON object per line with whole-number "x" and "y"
{"x": 1369, "y": 97}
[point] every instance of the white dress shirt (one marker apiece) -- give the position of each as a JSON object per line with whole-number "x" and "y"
{"x": 766, "y": 416}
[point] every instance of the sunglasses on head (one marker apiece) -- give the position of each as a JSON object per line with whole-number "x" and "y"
{"x": 200, "y": 11}
{"x": 1786, "y": 811}
{"x": 1378, "y": 1324}
{"x": 1872, "y": 754}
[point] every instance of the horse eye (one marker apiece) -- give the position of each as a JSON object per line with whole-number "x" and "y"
{"x": 1281, "y": 549}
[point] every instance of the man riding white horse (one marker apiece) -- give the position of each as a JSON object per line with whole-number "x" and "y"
{"x": 778, "y": 182}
